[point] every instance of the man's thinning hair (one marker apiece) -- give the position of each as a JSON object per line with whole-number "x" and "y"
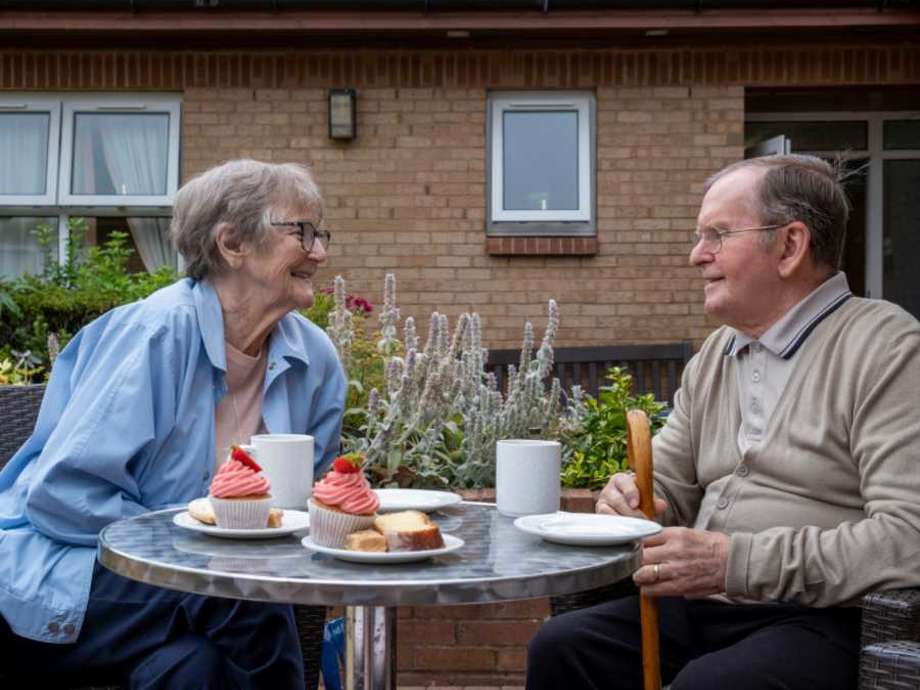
{"x": 801, "y": 188}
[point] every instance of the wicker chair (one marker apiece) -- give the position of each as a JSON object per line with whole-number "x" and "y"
{"x": 890, "y": 658}
{"x": 18, "y": 410}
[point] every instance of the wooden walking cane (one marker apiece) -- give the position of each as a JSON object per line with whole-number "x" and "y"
{"x": 639, "y": 453}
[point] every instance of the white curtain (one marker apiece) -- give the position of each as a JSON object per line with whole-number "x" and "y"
{"x": 152, "y": 242}
{"x": 135, "y": 148}
{"x": 24, "y": 152}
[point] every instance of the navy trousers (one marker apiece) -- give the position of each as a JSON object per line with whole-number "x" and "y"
{"x": 704, "y": 646}
{"x": 148, "y": 637}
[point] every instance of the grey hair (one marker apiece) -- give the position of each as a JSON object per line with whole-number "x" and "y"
{"x": 808, "y": 189}
{"x": 243, "y": 194}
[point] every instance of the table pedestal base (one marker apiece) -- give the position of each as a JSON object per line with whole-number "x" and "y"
{"x": 370, "y": 648}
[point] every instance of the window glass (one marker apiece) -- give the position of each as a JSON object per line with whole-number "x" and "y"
{"x": 901, "y": 243}
{"x": 148, "y": 237}
{"x": 120, "y": 153}
{"x": 24, "y": 141}
{"x": 20, "y": 249}
{"x": 540, "y": 160}
{"x": 901, "y": 134}
{"x": 812, "y": 136}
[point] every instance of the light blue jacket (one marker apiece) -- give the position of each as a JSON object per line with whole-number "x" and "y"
{"x": 127, "y": 426}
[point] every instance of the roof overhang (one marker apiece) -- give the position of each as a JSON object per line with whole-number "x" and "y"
{"x": 218, "y": 25}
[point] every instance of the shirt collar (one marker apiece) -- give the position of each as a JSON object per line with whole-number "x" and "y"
{"x": 283, "y": 342}
{"x": 211, "y": 322}
{"x": 785, "y": 337}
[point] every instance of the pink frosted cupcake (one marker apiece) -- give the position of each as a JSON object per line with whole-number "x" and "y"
{"x": 239, "y": 495}
{"x": 343, "y": 502}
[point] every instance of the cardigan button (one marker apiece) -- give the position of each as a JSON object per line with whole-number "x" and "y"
{"x": 743, "y": 470}
{"x": 722, "y": 504}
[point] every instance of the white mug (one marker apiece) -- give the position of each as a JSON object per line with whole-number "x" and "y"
{"x": 287, "y": 462}
{"x": 527, "y": 477}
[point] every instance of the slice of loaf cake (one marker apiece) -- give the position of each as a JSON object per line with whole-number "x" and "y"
{"x": 366, "y": 540}
{"x": 409, "y": 530}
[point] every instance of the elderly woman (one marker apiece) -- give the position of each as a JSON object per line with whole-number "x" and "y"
{"x": 138, "y": 413}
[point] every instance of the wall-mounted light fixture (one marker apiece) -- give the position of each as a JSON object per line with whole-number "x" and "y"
{"x": 342, "y": 113}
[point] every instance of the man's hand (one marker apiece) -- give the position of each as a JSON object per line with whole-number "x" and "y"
{"x": 621, "y": 497}
{"x": 683, "y": 562}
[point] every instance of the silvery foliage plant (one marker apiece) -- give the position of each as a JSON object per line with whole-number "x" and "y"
{"x": 437, "y": 419}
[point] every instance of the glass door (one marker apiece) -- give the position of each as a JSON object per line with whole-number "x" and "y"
{"x": 901, "y": 242}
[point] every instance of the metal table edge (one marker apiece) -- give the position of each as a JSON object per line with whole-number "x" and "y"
{"x": 405, "y": 593}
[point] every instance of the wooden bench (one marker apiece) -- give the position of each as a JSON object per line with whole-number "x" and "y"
{"x": 655, "y": 368}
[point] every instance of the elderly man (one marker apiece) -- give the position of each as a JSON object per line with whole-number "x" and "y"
{"x": 786, "y": 476}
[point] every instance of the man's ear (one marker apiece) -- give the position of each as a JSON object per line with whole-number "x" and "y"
{"x": 231, "y": 249}
{"x": 795, "y": 248}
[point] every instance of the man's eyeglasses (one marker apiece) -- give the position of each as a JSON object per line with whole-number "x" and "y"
{"x": 309, "y": 234}
{"x": 711, "y": 238}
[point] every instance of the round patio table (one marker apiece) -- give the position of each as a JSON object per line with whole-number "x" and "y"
{"x": 497, "y": 563}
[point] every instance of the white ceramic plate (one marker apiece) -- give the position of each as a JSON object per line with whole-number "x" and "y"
{"x": 451, "y": 544}
{"x": 587, "y": 529}
{"x": 415, "y": 499}
{"x": 292, "y": 521}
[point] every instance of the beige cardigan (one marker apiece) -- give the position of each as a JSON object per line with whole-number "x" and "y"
{"x": 827, "y": 507}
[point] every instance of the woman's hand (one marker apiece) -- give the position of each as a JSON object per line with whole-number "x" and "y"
{"x": 621, "y": 497}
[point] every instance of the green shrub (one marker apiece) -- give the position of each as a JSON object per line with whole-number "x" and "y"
{"x": 364, "y": 365}
{"x": 595, "y": 447}
{"x": 66, "y": 296}
{"x": 323, "y": 304}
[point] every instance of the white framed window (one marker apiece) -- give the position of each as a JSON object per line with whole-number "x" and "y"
{"x": 119, "y": 151}
{"x": 30, "y": 129}
{"x": 541, "y": 162}
{"x": 87, "y": 155}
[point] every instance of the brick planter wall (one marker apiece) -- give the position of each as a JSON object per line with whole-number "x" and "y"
{"x": 482, "y": 645}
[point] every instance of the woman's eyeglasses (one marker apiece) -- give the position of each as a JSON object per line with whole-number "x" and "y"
{"x": 309, "y": 234}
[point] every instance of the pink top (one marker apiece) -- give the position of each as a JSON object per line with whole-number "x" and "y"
{"x": 348, "y": 492}
{"x": 235, "y": 480}
{"x": 239, "y": 413}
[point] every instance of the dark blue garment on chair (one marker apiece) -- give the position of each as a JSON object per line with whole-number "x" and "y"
{"x": 333, "y": 657}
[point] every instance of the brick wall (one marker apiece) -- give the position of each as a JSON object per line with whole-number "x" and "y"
{"x": 408, "y": 195}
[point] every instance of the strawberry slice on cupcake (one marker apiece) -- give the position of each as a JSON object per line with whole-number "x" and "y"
{"x": 350, "y": 463}
{"x": 237, "y": 453}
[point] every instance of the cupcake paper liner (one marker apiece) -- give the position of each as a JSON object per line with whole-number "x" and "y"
{"x": 238, "y": 513}
{"x": 329, "y": 527}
